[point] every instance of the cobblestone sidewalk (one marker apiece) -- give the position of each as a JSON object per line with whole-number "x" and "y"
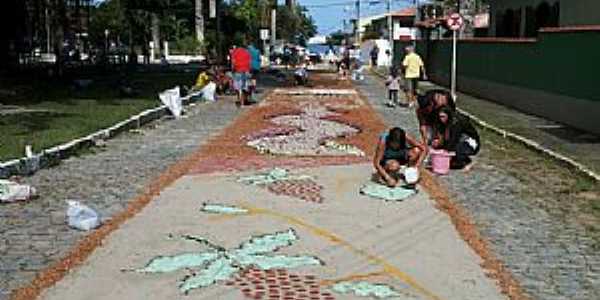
{"x": 33, "y": 235}
{"x": 551, "y": 257}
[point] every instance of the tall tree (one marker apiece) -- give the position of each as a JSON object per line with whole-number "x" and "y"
{"x": 60, "y": 25}
{"x": 199, "y": 17}
{"x": 155, "y": 34}
{"x": 294, "y": 24}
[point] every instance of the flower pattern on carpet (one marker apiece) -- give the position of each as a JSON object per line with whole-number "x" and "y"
{"x": 313, "y": 138}
{"x": 305, "y": 189}
{"x": 273, "y": 284}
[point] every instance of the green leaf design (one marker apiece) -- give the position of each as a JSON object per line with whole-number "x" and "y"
{"x": 164, "y": 264}
{"x": 272, "y": 176}
{"x": 380, "y": 191}
{"x": 220, "y": 269}
{"x": 264, "y": 262}
{"x": 266, "y": 243}
{"x": 365, "y": 289}
{"x": 223, "y": 209}
{"x": 219, "y": 263}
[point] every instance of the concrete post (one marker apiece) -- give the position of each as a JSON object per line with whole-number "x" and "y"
{"x": 273, "y": 27}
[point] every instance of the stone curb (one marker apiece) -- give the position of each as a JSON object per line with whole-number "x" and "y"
{"x": 52, "y": 156}
{"x": 569, "y": 162}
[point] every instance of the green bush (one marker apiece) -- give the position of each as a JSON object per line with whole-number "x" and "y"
{"x": 187, "y": 45}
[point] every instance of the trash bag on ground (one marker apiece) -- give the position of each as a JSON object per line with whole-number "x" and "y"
{"x": 11, "y": 191}
{"x": 208, "y": 92}
{"x": 172, "y": 99}
{"x": 80, "y": 216}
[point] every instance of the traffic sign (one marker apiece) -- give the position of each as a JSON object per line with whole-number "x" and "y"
{"x": 455, "y": 21}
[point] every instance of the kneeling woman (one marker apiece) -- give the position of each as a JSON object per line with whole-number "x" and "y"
{"x": 395, "y": 149}
{"x": 457, "y": 134}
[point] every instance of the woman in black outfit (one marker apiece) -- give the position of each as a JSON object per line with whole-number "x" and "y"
{"x": 456, "y": 133}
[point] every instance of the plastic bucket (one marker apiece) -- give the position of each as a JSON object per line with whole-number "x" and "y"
{"x": 440, "y": 161}
{"x": 411, "y": 175}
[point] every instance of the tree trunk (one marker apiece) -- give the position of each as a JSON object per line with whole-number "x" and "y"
{"x": 155, "y": 35}
{"x": 60, "y": 25}
{"x": 199, "y": 21}
{"x": 132, "y": 54}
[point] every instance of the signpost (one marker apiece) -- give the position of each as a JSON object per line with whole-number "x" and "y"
{"x": 455, "y": 22}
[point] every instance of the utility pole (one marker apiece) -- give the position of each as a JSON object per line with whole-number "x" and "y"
{"x": 220, "y": 56}
{"x": 390, "y": 26}
{"x": 47, "y": 20}
{"x": 460, "y": 33}
{"x": 416, "y": 3}
{"x": 273, "y": 23}
{"x": 357, "y": 22}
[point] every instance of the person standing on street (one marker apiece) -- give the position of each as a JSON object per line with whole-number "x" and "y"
{"x": 254, "y": 67}
{"x": 241, "y": 64}
{"x": 393, "y": 83}
{"x": 374, "y": 55}
{"x": 388, "y": 58}
{"x": 413, "y": 69}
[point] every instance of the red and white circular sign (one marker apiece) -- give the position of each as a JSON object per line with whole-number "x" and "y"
{"x": 455, "y": 21}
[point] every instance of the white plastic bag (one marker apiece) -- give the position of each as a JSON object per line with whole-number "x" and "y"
{"x": 172, "y": 99}
{"x": 81, "y": 217}
{"x": 208, "y": 92}
{"x": 12, "y": 191}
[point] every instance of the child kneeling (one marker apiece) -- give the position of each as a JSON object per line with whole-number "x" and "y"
{"x": 394, "y": 150}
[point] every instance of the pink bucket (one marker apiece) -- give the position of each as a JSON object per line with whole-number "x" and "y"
{"x": 440, "y": 161}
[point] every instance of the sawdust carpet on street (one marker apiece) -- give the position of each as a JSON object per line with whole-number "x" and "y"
{"x": 228, "y": 151}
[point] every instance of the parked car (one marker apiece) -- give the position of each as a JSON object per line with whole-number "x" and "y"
{"x": 317, "y": 52}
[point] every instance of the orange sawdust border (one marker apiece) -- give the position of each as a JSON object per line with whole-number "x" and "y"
{"x": 470, "y": 234}
{"x": 218, "y": 146}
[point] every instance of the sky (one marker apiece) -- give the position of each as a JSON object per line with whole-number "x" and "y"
{"x": 329, "y": 14}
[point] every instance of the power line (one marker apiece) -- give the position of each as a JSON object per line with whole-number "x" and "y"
{"x": 345, "y": 3}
